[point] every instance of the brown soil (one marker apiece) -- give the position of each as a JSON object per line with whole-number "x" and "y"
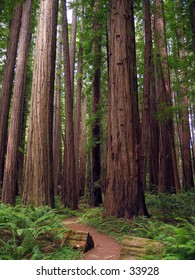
{"x": 106, "y": 248}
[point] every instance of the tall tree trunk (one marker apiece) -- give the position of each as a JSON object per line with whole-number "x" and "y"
{"x": 77, "y": 125}
{"x": 73, "y": 45}
{"x": 38, "y": 181}
{"x": 57, "y": 126}
{"x": 95, "y": 196}
{"x": 82, "y": 161}
{"x": 187, "y": 178}
{"x": 6, "y": 92}
{"x": 69, "y": 193}
{"x": 168, "y": 172}
{"x": 122, "y": 196}
{"x": 145, "y": 128}
{"x": 10, "y": 172}
{"x": 154, "y": 134}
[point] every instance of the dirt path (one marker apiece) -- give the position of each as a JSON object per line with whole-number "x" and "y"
{"x": 106, "y": 248}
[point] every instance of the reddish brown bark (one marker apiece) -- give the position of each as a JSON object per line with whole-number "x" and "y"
{"x": 82, "y": 161}
{"x": 38, "y": 180}
{"x": 145, "y": 127}
{"x": 187, "y": 173}
{"x": 69, "y": 192}
{"x": 6, "y": 91}
{"x": 123, "y": 198}
{"x": 73, "y": 45}
{"x": 154, "y": 134}
{"x": 10, "y": 172}
{"x": 95, "y": 196}
{"x": 57, "y": 126}
{"x": 77, "y": 130}
{"x": 168, "y": 178}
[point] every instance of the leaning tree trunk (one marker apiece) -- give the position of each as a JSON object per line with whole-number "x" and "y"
{"x": 10, "y": 172}
{"x": 122, "y": 196}
{"x": 5, "y": 96}
{"x": 95, "y": 196}
{"x": 168, "y": 171}
{"x": 69, "y": 190}
{"x": 38, "y": 181}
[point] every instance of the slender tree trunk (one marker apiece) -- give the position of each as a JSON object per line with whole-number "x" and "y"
{"x": 73, "y": 45}
{"x": 38, "y": 181}
{"x": 69, "y": 193}
{"x": 187, "y": 178}
{"x": 168, "y": 172}
{"x": 6, "y": 92}
{"x": 95, "y": 196}
{"x": 77, "y": 125}
{"x": 82, "y": 161}
{"x": 57, "y": 126}
{"x": 20, "y": 162}
{"x": 122, "y": 196}
{"x": 145, "y": 128}
{"x": 154, "y": 134}
{"x": 10, "y": 172}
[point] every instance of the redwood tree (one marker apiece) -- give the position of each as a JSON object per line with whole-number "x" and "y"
{"x": 10, "y": 172}
{"x": 69, "y": 190}
{"x": 123, "y": 197}
{"x": 6, "y": 92}
{"x": 168, "y": 171}
{"x": 95, "y": 196}
{"x": 187, "y": 173}
{"x": 77, "y": 123}
{"x": 38, "y": 181}
{"x": 57, "y": 125}
{"x": 145, "y": 127}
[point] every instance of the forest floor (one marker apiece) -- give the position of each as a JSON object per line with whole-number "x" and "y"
{"x": 42, "y": 233}
{"x": 108, "y": 248}
{"x": 105, "y": 248}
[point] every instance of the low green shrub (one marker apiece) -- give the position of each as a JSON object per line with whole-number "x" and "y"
{"x": 30, "y": 233}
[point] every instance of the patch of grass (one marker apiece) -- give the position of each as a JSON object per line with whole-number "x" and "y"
{"x": 65, "y": 253}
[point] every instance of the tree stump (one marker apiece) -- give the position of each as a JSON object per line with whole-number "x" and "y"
{"x": 79, "y": 240}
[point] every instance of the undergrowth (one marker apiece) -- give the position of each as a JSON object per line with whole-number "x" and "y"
{"x": 32, "y": 233}
{"x": 172, "y": 223}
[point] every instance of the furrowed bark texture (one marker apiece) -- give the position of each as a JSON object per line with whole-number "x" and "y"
{"x": 95, "y": 196}
{"x": 82, "y": 161}
{"x": 168, "y": 179}
{"x": 10, "y": 172}
{"x": 145, "y": 127}
{"x": 38, "y": 181}
{"x": 77, "y": 124}
{"x": 69, "y": 190}
{"x": 57, "y": 125}
{"x": 6, "y": 92}
{"x": 122, "y": 197}
{"x": 187, "y": 173}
